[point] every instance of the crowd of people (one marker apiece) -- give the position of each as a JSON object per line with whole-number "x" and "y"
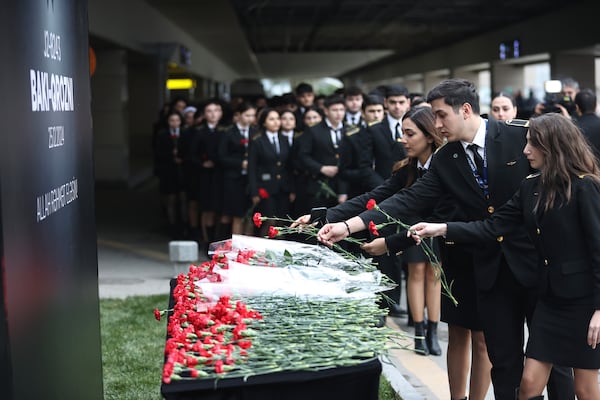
{"x": 433, "y": 159}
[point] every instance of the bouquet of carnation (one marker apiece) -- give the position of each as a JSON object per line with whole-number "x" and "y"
{"x": 260, "y": 267}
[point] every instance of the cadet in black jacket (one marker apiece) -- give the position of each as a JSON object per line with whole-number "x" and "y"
{"x": 268, "y": 168}
{"x": 233, "y": 157}
{"x": 479, "y": 180}
{"x": 356, "y": 158}
{"x": 560, "y": 210}
{"x": 386, "y": 135}
{"x": 320, "y": 155}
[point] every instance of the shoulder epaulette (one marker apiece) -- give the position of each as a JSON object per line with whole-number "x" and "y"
{"x": 221, "y": 128}
{"x": 532, "y": 175}
{"x": 351, "y": 130}
{"x": 298, "y": 134}
{"x": 373, "y": 123}
{"x": 521, "y": 123}
{"x": 583, "y": 176}
{"x": 256, "y": 135}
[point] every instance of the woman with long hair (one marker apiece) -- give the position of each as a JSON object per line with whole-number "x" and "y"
{"x": 420, "y": 140}
{"x": 560, "y": 208}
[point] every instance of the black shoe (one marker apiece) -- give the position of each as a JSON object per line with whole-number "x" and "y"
{"x": 420, "y": 343}
{"x": 397, "y": 311}
{"x": 432, "y": 339}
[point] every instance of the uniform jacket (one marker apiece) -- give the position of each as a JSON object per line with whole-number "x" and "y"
{"x": 317, "y": 150}
{"x": 451, "y": 175}
{"x": 566, "y": 238}
{"x": 356, "y": 161}
{"x": 386, "y": 150}
{"x": 233, "y": 150}
{"x": 266, "y": 169}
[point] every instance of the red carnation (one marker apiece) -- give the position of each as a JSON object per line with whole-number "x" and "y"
{"x": 273, "y": 232}
{"x": 373, "y": 228}
{"x": 262, "y": 193}
{"x": 244, "y": 142}
{"x": 371, "y": 204}
{"x": 157, "y": 314}
{"x": 257, "y": 219}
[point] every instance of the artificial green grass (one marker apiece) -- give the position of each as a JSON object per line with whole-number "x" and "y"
{"x": 132, "y": 349}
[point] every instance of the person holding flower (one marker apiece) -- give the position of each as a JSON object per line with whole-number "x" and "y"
{"x": 269, "y": 181}
{"x": 466, "y": 344}
{"x": 560, "y": 210}
{"x": 420, "y": 140}
{"x": 479, "y": 169}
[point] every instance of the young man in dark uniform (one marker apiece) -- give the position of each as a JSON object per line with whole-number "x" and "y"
{"x": 480, "y": 169}
{"x": 386, "y": 135}
{"x": 320, "y": 155}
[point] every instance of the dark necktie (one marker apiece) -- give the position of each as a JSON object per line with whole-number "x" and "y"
{"x": 275, "y": 144}
{"x": 398, "y": 135}
{"x": 421, "y": 171}
{"x": 336, "y": 135}
{"x": 477, "y": 158}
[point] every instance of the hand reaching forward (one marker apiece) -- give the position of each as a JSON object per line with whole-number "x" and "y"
{"x": 332, "y": 233}
{"x": 426, "y": 229}
{"x": 302, "y": 220}
{"x": 376, "y": 247}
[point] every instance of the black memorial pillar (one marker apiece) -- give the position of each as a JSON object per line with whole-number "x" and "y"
{"x": 49, "y": 318}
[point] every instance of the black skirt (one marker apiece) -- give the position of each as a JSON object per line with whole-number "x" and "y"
{"x": 459, "y": 271}
{"x": 558, "y": 335}
{"x": 236, "y": 201}
{"x": 416, "y": 254}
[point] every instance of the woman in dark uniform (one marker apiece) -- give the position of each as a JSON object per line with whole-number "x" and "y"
{"x": 170, "y": 174}
{"x": 420, "y": 124}
{"x": 424, "y": 289}
{"x": 270, "y": 185}
{"x": 203, "y": 154}
{"x": 233, "y": 157}
{"x": 560, "y": 207}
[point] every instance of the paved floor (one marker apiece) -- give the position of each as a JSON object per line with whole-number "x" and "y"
{"x": 133, "y": 260}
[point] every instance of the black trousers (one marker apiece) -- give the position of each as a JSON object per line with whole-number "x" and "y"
{"x": 503, "y": 312}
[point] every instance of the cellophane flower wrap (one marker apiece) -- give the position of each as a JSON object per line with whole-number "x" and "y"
{"x": 262, "y": 306}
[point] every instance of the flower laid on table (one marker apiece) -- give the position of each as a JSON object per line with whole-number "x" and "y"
{"x": 437, "y": 266}
{"x": 266, "y": 334}
{"x": 205, "y": 338}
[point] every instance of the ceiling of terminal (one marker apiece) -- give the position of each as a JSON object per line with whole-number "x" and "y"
{"x": 240, "y": 31}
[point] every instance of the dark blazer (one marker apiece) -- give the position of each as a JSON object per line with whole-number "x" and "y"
{"x": 266, "y": 169}
{"x": 233, "y": 150}
{"x": 450, "y": 174}
{"x": 356, "y": 161}
{"x": 590, "y": 126}
{"x": 317, "y": 150}
{"x": 566, "y": 238}
{"x": 204, "y": 146}
{"x": 386, "y": 150}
